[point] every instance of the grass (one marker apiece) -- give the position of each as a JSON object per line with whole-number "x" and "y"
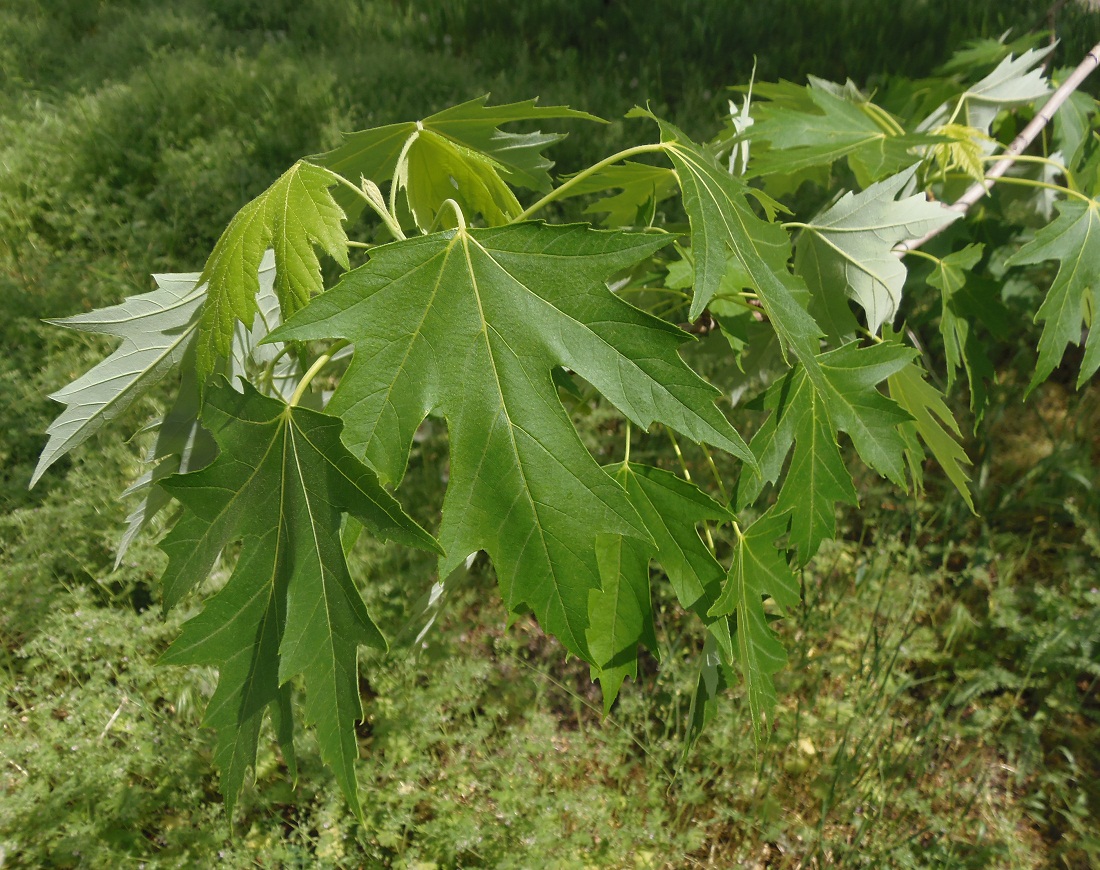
{"x": 941, "y": 704}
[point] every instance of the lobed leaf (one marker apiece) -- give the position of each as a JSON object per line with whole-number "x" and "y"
{"x": 1074, "y": 298}
{"x": 848, "y": 249}
{"x": 460, "y": 153}
{"x": 759, "y": 571}
{"x": 291, "y": 216}
{"x": 469, "y": 325}
{"x": 279, "y": 485}
{"x": 156, "y": 329}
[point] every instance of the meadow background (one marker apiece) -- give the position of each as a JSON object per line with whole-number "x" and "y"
{"x": 941, "y": 707}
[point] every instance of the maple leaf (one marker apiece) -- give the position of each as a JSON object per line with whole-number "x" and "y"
{"x": 468, "y": 324}
{"x": 759, "y": 571}
{"x": 925, "y": 403}
{"x": 816, "y": 479}
{"x": 1015, "y": 81}
{"x": 291, "y": 216}
{"x": 460, "y": 153}
{"x": 641, "y": 186}
{"x": 849, "y": 248}
{"x": 809, "y": 417}
{"x": 181, "y": 443}
{"x": 722, "y": 222}
{"x": 836, "y": 124}
{"x": 155, "y": 329}
{"x": 960, "y": 345}
{"x": 714, "y": 677}
{"x": 620, "y": 613}
{"x": 280, "y": 484}
{"x": 1074, "y": 298}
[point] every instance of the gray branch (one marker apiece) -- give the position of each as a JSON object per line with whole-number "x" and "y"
{"x": 1026, "y": 137}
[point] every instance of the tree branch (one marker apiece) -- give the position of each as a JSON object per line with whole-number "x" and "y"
{"x": 1026, "y": 137}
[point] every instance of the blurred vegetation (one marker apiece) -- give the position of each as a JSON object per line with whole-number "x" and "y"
{"x": 941, "y": 707}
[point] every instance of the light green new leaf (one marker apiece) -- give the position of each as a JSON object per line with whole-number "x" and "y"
{"x": 925, "y": 403}
{"x": 639, "y": 184}
{"x": 721, "y": 222}
{"x": 469, "y": 324}
{"x": 840, "y": 124}
{"x": 1073, "y": 300}
{"x": 460, "y": 153}
{"x": 848, "y": 249}
{"x": 280, "y": 484}
{"x": 155, "y": 329}
{"x": 1014, "y": 82}
{"x": 291, "y": 216}
{"x": 759, "y": 571}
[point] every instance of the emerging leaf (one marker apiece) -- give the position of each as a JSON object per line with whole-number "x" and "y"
{"x": 155, "y": 329}
{"x": 1074, "y": 298}
{"x": 291, "y": 216}
{"x": 279, "y": 485}
{"x": 469, "y": 325}
{"x": 759, "y": 571}
{"x": 848, "y": 249}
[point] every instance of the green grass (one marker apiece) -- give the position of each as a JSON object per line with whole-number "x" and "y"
{"x": 941, "y": 707}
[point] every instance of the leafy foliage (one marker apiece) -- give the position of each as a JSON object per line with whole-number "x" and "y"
{"x": 280, "y": 484}
{"x": 494, "y": 324}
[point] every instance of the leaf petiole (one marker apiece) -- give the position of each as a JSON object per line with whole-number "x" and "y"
{"x": 557, "y": 192}
{"x": 377, "y": 206}
{"x": 321, "y": 361}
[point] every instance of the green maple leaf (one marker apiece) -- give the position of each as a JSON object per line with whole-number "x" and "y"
{"x": 291, "y": 216}
{"x": 930, "y": 413}
{"x": 848, "y": 249}
{"x": 640, "y": 186}
{"x": 809, "y": 418}
{"x": 469, "y": 324}
{"x": 960, "y": 344}
{"x": 836, "y": 124}
{"x": 156, "y": 329}
{"x": 620, "y": 613}
{"x": 722, "y": 223}
{"x": 280, "y": 484}
{"x": 1015, "y": 81}
{"x": 460, "y": 153}
{"x": 817, "y": 477}
{"x": 1074, "y": 298}
{"x": 759, "y": 571}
